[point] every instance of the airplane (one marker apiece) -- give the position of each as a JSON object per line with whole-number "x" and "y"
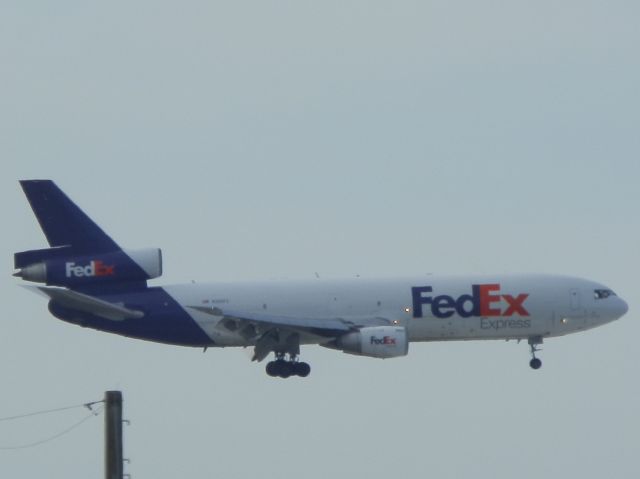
{"x": 92, "y": 282}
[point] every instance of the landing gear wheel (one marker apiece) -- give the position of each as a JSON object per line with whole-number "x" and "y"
{"x": 285, "y": 368}
{"x": 272, "y": 369}
{"x": 302, "y": 369}
{"x": 534, "y": 342}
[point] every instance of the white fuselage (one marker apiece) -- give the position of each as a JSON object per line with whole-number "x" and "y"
{"x": 431, "y": 307}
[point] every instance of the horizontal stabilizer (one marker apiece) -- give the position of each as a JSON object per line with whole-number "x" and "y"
{"x": 26, "y": 258}
{"x": 87, "y": 304}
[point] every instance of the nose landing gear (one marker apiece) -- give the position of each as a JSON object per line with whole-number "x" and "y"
{"x": 535, "y": 363}
{"x": 283, "y": 368}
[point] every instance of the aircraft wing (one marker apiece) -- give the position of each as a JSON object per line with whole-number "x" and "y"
{"x": 267, "y": 330}
{"x": 234, "y": 320}
{"x": 87, "y": 304}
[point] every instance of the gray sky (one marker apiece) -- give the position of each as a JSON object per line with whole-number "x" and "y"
{"x": 274, "y": 139}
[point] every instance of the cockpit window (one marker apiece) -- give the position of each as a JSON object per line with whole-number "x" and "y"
{"x": 603, "y": 293}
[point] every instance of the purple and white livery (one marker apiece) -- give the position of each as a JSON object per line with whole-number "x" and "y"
{"x": 92, "y": 282}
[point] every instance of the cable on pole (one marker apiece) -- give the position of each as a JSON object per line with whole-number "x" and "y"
{"x": 87, "y": 405}
{"x": 94, "y": 413}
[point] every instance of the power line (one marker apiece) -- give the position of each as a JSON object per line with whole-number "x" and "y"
{"x": 58, "y": 435}
{"x": 48, "y": 411}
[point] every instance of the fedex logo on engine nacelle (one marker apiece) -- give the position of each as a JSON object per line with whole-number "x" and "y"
{"x": 485, "y": 300}
{"x": 384, "y": 341}
{"x": 93, "y": 269}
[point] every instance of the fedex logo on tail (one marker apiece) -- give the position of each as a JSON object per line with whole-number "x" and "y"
{"x": 95, "y": 268}
{"x": 485, "y": 300}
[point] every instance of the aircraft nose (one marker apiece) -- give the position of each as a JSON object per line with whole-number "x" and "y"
{"x": 621, "y": 307}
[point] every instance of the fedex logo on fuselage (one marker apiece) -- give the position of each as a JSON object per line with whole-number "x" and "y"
{"x": 485, "y": 300}
{"x": 95, "y": 268}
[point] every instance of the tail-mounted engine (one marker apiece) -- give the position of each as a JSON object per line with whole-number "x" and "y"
{"x": 60, "y": 267}
{"x": 376, "y": 342}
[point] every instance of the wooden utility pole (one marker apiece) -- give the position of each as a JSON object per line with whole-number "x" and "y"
{"x": 113, "y": 435}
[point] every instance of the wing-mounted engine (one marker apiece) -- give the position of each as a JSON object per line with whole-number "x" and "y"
{"x": 60, "y": 267}
{"x": 377, "y": 342}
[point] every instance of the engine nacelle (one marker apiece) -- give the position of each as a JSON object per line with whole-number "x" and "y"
{"x": 72, "y": 270}
{"x": 375, "y": 341}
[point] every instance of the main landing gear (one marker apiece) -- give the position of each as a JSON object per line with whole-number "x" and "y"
{"x": 535, "y": 363}
{"x": 283, "y": 368}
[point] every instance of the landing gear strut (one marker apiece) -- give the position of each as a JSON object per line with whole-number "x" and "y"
{"x": 284, "y": 368}
{"x": 535, "y": 363}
